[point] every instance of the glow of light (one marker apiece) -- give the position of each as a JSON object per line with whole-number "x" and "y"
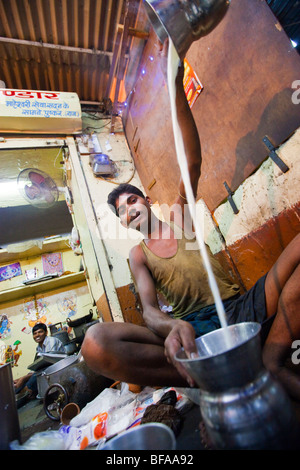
{"x": 143, "y": 72}
{"x": 151, "y": 58}
{"x": 10, "y": 193}
{"x": 8, "y": 189}
{"x": 294, "y": 44}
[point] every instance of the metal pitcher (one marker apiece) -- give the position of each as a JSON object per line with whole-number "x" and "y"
{"x": 241, "y": 404}
{"x": 185, "y": 21}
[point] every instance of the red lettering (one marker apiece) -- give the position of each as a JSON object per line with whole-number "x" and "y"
{"x": 51, "y": 96}
{"x": 31, "y": 94}
{"x": 9, "y": 92}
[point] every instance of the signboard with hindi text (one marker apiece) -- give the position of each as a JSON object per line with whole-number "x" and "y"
{"x": 32, "y": 111}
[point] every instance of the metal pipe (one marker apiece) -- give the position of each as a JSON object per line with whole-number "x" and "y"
{"x": 59, "y": 47}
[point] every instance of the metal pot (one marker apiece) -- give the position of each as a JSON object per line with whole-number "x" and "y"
{"x": 183, "y": 20}
{"x": 62, "y": 336}
{"x": 69, "y": 380}
{"x": 53, "y": 374}
{"x": 241, "y": 404}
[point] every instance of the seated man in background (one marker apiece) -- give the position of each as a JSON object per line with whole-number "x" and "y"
{"x": 46, "y": 344}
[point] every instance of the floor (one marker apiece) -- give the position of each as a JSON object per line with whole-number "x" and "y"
{"x": 33, "y": 419}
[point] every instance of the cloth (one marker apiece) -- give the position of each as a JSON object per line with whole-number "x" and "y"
{"x": 206, "y": 319}
{"x": 182, "y": 278}
{"x": 164, "y": 411}
{"x": 51, "y": 344}
{"x": 250, "y": 306}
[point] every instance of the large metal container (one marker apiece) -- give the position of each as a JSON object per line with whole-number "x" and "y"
{"x": 53, "y": 374}
{"x": 79, "y": 383}
{"x": 62, "y": 336}
{"x": 9, "y": 420}
{"x": 185, "y": 21}
{"x": 241, "y": 404}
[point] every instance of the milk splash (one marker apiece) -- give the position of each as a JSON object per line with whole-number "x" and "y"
{"x": 173, "y": 63}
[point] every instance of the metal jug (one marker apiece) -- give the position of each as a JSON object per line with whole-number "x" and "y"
{"x": 241, "y": 404}
{"x": 185, "y": 21}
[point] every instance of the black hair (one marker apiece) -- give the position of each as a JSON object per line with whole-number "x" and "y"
{"x": 39, "y": 326}
{"x": 123, "y": 188}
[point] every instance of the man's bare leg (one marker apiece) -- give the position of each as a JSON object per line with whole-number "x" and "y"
{"x": 283, "y": 296}
{"x": 129, "y": 353}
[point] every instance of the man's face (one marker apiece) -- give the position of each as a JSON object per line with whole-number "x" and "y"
{"x": 39, "y": 336}
{"x": 134, "y": 211}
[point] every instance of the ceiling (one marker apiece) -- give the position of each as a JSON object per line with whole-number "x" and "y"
{"x": 71, "y": 45}
{"x": 86, "y": 46}
{"x": 288, "y": 14}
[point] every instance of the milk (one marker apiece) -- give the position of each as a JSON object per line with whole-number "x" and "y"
{"x": 173, "y": 63}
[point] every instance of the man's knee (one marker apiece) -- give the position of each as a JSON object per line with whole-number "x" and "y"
{"x": 94, "y": 333}
{"x": 95, "y": 345}
{"x": 294, "y": 248}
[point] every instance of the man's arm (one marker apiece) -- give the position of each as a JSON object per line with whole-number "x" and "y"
{"x": 177, "y": 333}
{"x": 156, "y": 320}
{"x": 190, "y": 137}
{"x": 54, "y": 345}
{"x": 188, "y": 129}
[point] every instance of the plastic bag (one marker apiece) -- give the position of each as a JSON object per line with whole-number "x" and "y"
{"x": 47, "y": 440}
{"x": 109, "y": 413}
{"x": 120, "y": 417}
{"x": 102, "y": 402}
{"x": 84, "y": 436}
{"x": 106, "y": 400}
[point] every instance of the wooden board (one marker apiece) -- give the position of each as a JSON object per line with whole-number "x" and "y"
{"x": 255, "y": 254}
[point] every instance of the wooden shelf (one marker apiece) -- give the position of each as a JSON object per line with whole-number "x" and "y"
{"x": 48, "y": 245}
{"x": 40, "y": 287}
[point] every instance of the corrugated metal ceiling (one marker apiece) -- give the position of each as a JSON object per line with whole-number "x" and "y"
{"x": 288, "y": 14}
{"x": 82, "y": 45}
{"x": 68, "y": 45}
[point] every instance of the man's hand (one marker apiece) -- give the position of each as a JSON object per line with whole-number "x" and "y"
{"x": 181, "y": 335}
{"x": 163, "y": 57}
{"x": 163, "y": 50}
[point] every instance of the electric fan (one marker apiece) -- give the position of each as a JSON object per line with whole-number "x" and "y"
{"x": 37, "y": 188}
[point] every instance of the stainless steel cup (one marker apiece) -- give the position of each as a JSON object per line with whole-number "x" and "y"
{"x": 185, "y": 21}
{"x": 150, "y": 436}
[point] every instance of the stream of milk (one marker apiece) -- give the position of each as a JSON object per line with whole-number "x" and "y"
{"x": 173, "y": 63}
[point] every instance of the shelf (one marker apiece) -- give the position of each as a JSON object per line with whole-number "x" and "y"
{"x": 49, "y": 245}
{"x": 40, "y": 287}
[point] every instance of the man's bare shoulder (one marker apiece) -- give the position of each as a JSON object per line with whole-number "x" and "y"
{"x": 136, "y": 256}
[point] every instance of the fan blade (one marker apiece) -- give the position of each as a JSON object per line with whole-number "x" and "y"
{"x": 32, "y": 191}
{"x": 35, "y": 177}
